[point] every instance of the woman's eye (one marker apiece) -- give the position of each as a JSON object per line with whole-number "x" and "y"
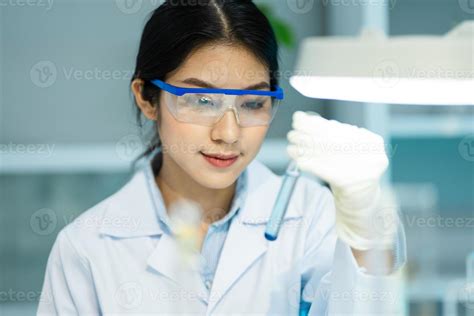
{"x": 253, "y": 105}
{"x": 200, "y": 100}
{"x": 204, "y": 101}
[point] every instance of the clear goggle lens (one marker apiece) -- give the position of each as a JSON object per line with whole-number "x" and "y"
{"x": 208, "y": 109}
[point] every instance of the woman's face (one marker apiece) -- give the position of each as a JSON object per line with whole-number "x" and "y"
{"x": 225, "y": 67}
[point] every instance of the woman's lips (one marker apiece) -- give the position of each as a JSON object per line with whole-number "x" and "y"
{"x": 220, "y": 163}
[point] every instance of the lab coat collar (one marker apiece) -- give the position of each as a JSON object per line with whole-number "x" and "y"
{"x": 167, "y": 260}
{"x": 132, "y": 203}
{"x": 136, "y": 203}
{"x": 245, "y": 241}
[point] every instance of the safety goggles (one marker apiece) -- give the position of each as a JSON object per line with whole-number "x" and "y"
{"x": 207, "y": 106}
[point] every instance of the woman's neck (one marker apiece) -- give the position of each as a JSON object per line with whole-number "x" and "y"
{"x": 175, "y": 183}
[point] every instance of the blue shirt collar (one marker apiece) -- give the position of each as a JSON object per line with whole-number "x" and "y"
{"x": 152, "y": 165}
{"x": 140, "y": 201}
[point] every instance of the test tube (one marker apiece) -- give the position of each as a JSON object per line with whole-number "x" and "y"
{"x": 279, "y": 209}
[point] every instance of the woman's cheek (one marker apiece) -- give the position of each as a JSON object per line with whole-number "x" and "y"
{"x": 182, "y": 146}
{"x": 254, "y": 138}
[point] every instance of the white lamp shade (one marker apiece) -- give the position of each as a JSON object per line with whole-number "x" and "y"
{"x": 430, "y": 70}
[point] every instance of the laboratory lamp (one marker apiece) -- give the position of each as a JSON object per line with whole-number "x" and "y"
{"x": 374, "y": 68}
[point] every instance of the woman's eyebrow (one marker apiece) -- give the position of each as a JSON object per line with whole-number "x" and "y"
{"x": 203, "y": 84}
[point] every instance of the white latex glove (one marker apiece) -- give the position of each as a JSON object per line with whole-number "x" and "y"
{"x": 351, "y": 160}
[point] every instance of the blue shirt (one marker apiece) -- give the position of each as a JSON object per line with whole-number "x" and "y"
{"x": 217, "y": 231}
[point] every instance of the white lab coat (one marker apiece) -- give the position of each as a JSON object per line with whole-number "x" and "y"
{"x": 115, "y": 259}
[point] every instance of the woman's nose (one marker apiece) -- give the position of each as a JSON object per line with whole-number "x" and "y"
{"x": 227, "y": 128}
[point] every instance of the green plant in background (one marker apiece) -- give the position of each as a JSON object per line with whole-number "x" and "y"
{"x": 283, "y": 30}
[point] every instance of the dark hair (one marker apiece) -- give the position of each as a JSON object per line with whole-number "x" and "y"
{"x": 178, "y": 27}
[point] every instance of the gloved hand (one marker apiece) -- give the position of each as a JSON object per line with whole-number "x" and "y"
{"x": 351, "y": 160}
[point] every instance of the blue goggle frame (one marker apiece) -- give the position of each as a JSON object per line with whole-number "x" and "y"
{"x": 179, "y": 91}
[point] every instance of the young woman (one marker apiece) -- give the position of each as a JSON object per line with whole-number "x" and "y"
{"x": 206, "y": 76}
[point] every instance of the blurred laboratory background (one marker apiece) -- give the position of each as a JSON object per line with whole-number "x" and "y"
{"x": 68, "y": 131}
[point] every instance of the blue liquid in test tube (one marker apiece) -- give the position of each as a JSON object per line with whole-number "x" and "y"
{"x": 276, "y": 218}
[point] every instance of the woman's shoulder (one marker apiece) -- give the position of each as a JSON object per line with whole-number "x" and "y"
{"x": 127, "y": 212}
{"x": 85, "y": 228}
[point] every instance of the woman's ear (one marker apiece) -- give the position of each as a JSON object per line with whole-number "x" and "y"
{"x": 145, "y": 106}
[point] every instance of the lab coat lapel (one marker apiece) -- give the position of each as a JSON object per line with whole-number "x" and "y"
{"x": 244, "y": 245}
{"x": 245, "y": 242}
{"x": 167, "y": 260}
